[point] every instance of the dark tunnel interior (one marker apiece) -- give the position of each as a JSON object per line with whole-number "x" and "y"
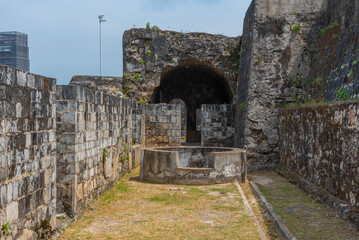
{"x": 195, "y": 85}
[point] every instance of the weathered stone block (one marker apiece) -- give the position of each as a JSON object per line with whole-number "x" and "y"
{"x": 3, "y": 197}
{"x": 21, "y": 78}
{"x": 215, "y": 130}
{"x": 69, "y": 117}
{"x": 9, "y": 76}
{"x": 31, "y": 81}
{"x": 9, "y": 192}
{"x": 12, "y": 211}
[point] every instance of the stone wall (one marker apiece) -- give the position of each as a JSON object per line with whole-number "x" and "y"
{"x": 148, "y": 53}
{"x": 321, "y": 62}
{"x": 108, "y": 85}
{"x": 273, "y": 44}
{"x": 217, "y": 125}
{"x": 162, "y": 125}
{"x": 94, "y": 135}
{"x": 333, "y": 53}
{"x": 320, "y": 143}
{"x": 138, "y": 123}
{"x": 183, "y": 117}
{"x": 27, "y": 153}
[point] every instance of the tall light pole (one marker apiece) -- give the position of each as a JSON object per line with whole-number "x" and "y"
{"x": 101, "y": 20}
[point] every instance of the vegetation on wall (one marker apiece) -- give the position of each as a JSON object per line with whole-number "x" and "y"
{"x": 125, "y": 154}
{"x": 342, "y": 94}
{"x": 236, "y": 58}
{"x": 296, "y": 28}
{"x": 128, "y": 88}
{"x": 155, "y": 27}
{"x": 325, "y": 29}
{"x": 105, "y": 154}
{"x": 141, "y": 100}
{"x": 5, "y": 228}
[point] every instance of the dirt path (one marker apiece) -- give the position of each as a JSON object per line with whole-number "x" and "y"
{"x": 305, "y": 218}
{"x": 137, "y": 210}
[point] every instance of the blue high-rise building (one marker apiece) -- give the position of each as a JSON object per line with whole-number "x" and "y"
{"x": 14, "y": 50}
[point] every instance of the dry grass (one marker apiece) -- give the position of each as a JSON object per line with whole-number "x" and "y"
{"x": 137, "y": 210}
{"x": 260, "y": 212}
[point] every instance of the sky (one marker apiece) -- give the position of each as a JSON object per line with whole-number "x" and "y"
{"x": 64, "y": 34}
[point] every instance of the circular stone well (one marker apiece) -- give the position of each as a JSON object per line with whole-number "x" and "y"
{"x": 193, "y": 165}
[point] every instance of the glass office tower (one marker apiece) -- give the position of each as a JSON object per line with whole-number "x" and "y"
{"x": 14, "y": 50}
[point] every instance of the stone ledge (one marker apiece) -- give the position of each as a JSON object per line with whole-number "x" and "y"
{"x": 281, "y": 227}
{"x": 195, "y": 169}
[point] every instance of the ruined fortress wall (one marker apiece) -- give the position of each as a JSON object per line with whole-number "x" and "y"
{"x": 217, "y": 125}
{"x": 292, "y": 51}
{"x": 94, "y": 135}
{"x": 320, "y": 143}
{"x": 27, "y": 152}
{"x": 162, "y": 125}
{"x": 271, "y": 51}
{"x": 148, "y": 53}
{"x": 323, "y": 57}
{"x": 279, "y": 8}
{"x": 106, "y": 84}
{"x": 333, "y": 53}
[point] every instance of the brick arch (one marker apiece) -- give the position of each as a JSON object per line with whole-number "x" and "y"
{"x": 195, "y": 83}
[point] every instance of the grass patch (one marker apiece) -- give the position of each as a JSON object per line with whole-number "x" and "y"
{"x": 225, "y": 208}
{"x": 167, "y": 198}
{"x": 122, "y": 186}
{"x": 305, "y": 218}
{"x": 75, "y": 233}
{"x": 109, "y": 195}
{"x": 160, "y": 198}
{"x": 287, "y": 188}
{"x": 89, "y": 219}
{"x": 195, "y": 191}
{"x": 230, "y": 189}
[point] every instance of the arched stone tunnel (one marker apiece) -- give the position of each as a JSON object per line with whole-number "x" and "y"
{"x": 195, "y": 83}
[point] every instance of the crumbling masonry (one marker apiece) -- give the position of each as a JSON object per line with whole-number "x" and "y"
{"x": 62, "y": 146}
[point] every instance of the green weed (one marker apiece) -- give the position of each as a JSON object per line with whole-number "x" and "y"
{"x": 122, "y": 186}
{"x": 142, "y": 100}
{"x": 296, "y": 28}
{"x": 317, "y": 82}
{"x": 342, "y": 94}
{"x": 105, "y": 154}
{"x": 5, "y": 227}
{"x": 325, "y": 29}
{"x": 242, "y": 106}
